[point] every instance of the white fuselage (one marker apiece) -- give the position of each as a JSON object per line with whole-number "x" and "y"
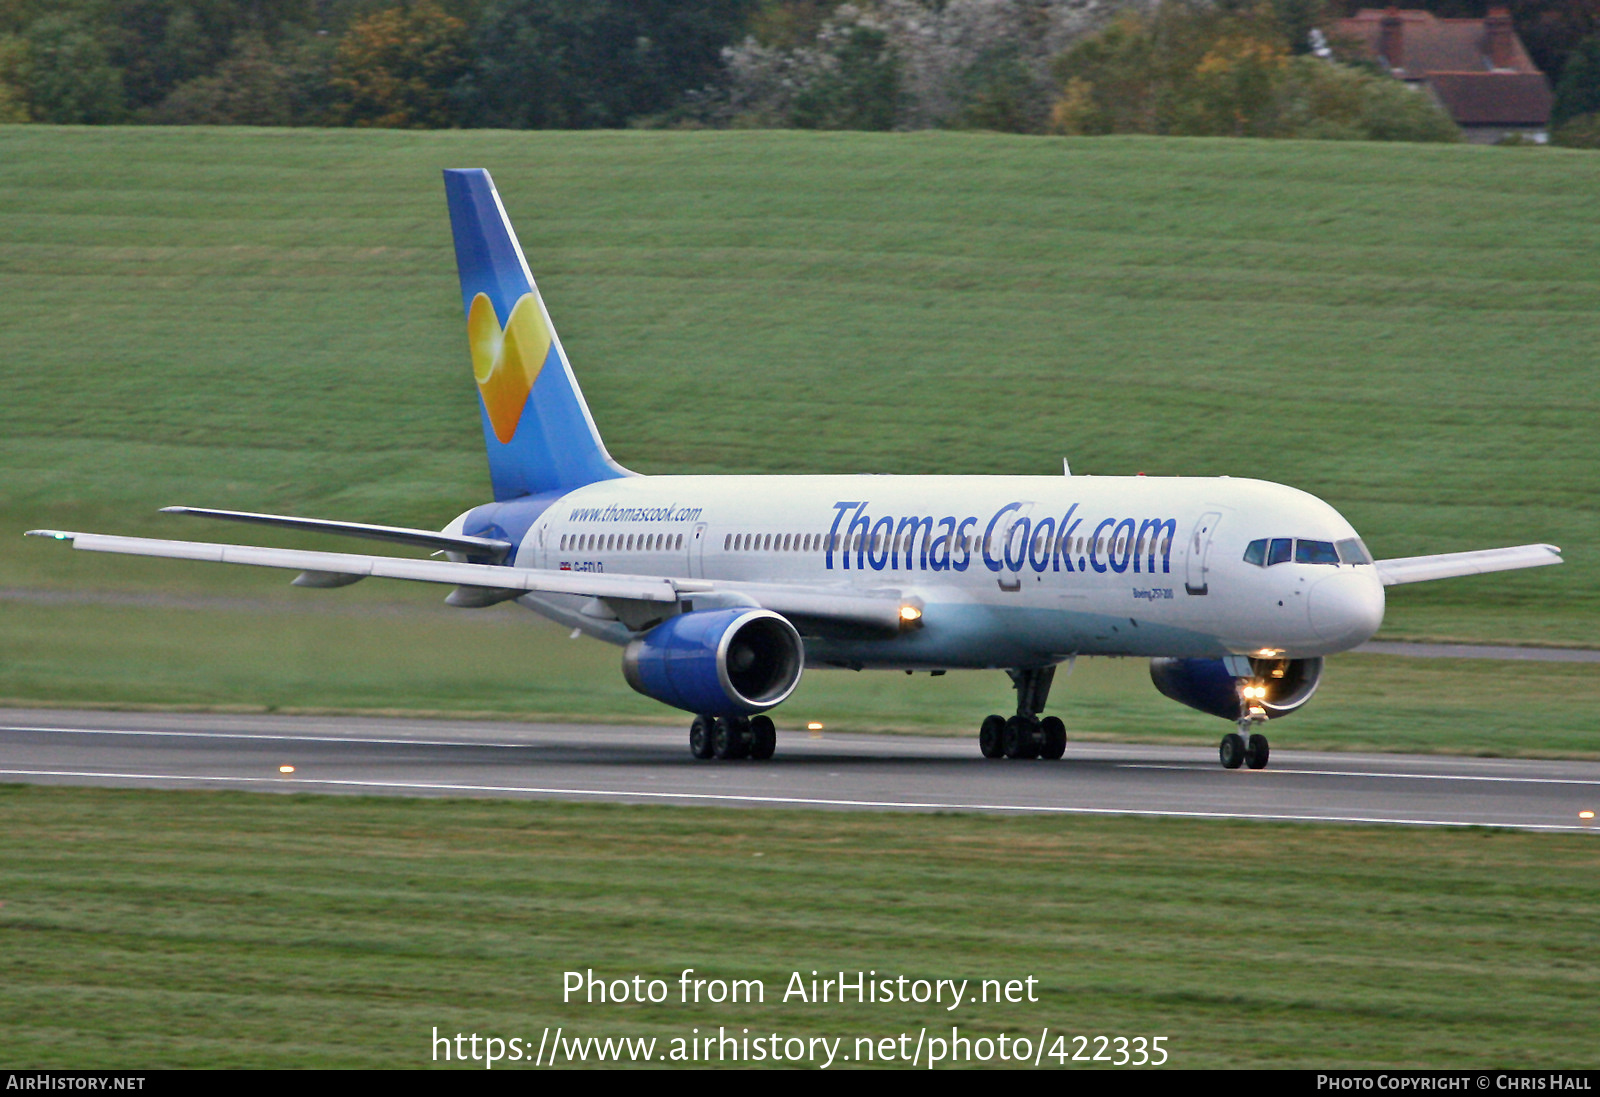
{"x": 1009, "y": 571}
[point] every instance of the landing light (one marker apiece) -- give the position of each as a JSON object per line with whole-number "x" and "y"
{"x": 814, "y": 726}
{"x": 285, "y": 769}
{"x": 1586, "y": 815}
{"x": 910, "y": 613}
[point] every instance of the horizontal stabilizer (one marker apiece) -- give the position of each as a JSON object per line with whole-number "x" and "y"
{"x": 1450, "y": 565}
{"x": 487, "y": 549}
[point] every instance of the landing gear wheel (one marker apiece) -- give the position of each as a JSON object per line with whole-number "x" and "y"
{"x": 763, "y": 738}
{"x": 1256, "y": 752}
{"x": 1231, "y": 752}
{"x": 732, "y": 738}
{"x": 702, "y": 734}
{"x": 1055, "y": 738}
{"x": 991, "y": 737}
{"x": 1020, "y": 739}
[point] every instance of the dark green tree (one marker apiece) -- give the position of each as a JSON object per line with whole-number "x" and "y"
{"x": 1578, "y": 92}
{"x": 1000, "y": 93}
{"x": 581, "y": 64}
{"x": 66, "y": 75}
{"x": 250, "y": 88}
{"x": 860, "y": 91}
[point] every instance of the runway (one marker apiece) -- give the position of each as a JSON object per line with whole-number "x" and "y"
{"x": 405, "y": 757}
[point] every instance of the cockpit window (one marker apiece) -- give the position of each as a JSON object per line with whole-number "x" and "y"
{"x": 1315, "y": 552}
{"x": 1352, "y": 551}
{"x": 1280, "y": 550}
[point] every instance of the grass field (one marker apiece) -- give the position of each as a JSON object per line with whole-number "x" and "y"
{"x": 270, "y": 320}
{"x": 199, "y": 929}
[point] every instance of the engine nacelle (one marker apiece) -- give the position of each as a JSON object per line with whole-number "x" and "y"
{"x": 717, "y": 662}
{"x": 1207, "y": 685}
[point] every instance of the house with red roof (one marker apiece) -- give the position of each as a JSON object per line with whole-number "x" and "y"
{"x": 1477, "y": 69}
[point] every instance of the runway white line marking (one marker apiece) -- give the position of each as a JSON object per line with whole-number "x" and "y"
{"x": 544, "y": 740}
{"x": 286, "y": 782}
{"x": 1399, "y": 776}
{"x": 274, "y": 737}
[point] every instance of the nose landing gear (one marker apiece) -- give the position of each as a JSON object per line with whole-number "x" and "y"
{"x": 1247, "y": 746}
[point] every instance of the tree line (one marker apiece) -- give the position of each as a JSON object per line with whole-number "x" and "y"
{"x": 1226, "y": 67}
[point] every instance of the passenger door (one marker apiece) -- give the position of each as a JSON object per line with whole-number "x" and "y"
{"x": 1196, "y": 580}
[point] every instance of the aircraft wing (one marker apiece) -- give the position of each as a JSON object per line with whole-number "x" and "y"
{"x": 879, "y": 610}
{"x": 1449, "y": 565}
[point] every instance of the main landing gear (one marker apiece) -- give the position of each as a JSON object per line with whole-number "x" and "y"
{"x": 1025, "y": 735}
{"x": 732, "y": 737}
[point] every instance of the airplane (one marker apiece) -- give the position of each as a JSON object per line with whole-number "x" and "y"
{"x": 721, "y": 590}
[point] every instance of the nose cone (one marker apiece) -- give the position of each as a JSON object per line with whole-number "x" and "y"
{"x": 1346, "y": 607}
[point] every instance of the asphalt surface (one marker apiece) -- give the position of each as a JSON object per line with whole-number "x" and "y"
{"x": 887, "y": 773}
{"x": 1480, "y": 651}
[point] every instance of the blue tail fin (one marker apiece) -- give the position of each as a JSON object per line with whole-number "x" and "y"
{"x": 540, "y": 435}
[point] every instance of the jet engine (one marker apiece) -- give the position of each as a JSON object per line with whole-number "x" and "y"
{"x": 1208, "y": 685}
{"x": 717, "y": 662}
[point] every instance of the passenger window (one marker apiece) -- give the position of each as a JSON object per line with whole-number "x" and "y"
{"x": 1280, "y": 551}
{"x": 1315, "y": 552}
{"x": 1256, "y": 553}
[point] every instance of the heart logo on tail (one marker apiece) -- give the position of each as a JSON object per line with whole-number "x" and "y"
{"x": 507, "y": 362}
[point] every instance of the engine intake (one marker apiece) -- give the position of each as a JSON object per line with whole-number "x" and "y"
{"x": 717, "y": 662}
{"x": 1206, "y": 684}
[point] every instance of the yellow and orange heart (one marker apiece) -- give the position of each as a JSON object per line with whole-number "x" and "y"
{"x": 507, "y": 362}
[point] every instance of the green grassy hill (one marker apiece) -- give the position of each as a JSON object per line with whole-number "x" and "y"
{"x": 270, "y": 320}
